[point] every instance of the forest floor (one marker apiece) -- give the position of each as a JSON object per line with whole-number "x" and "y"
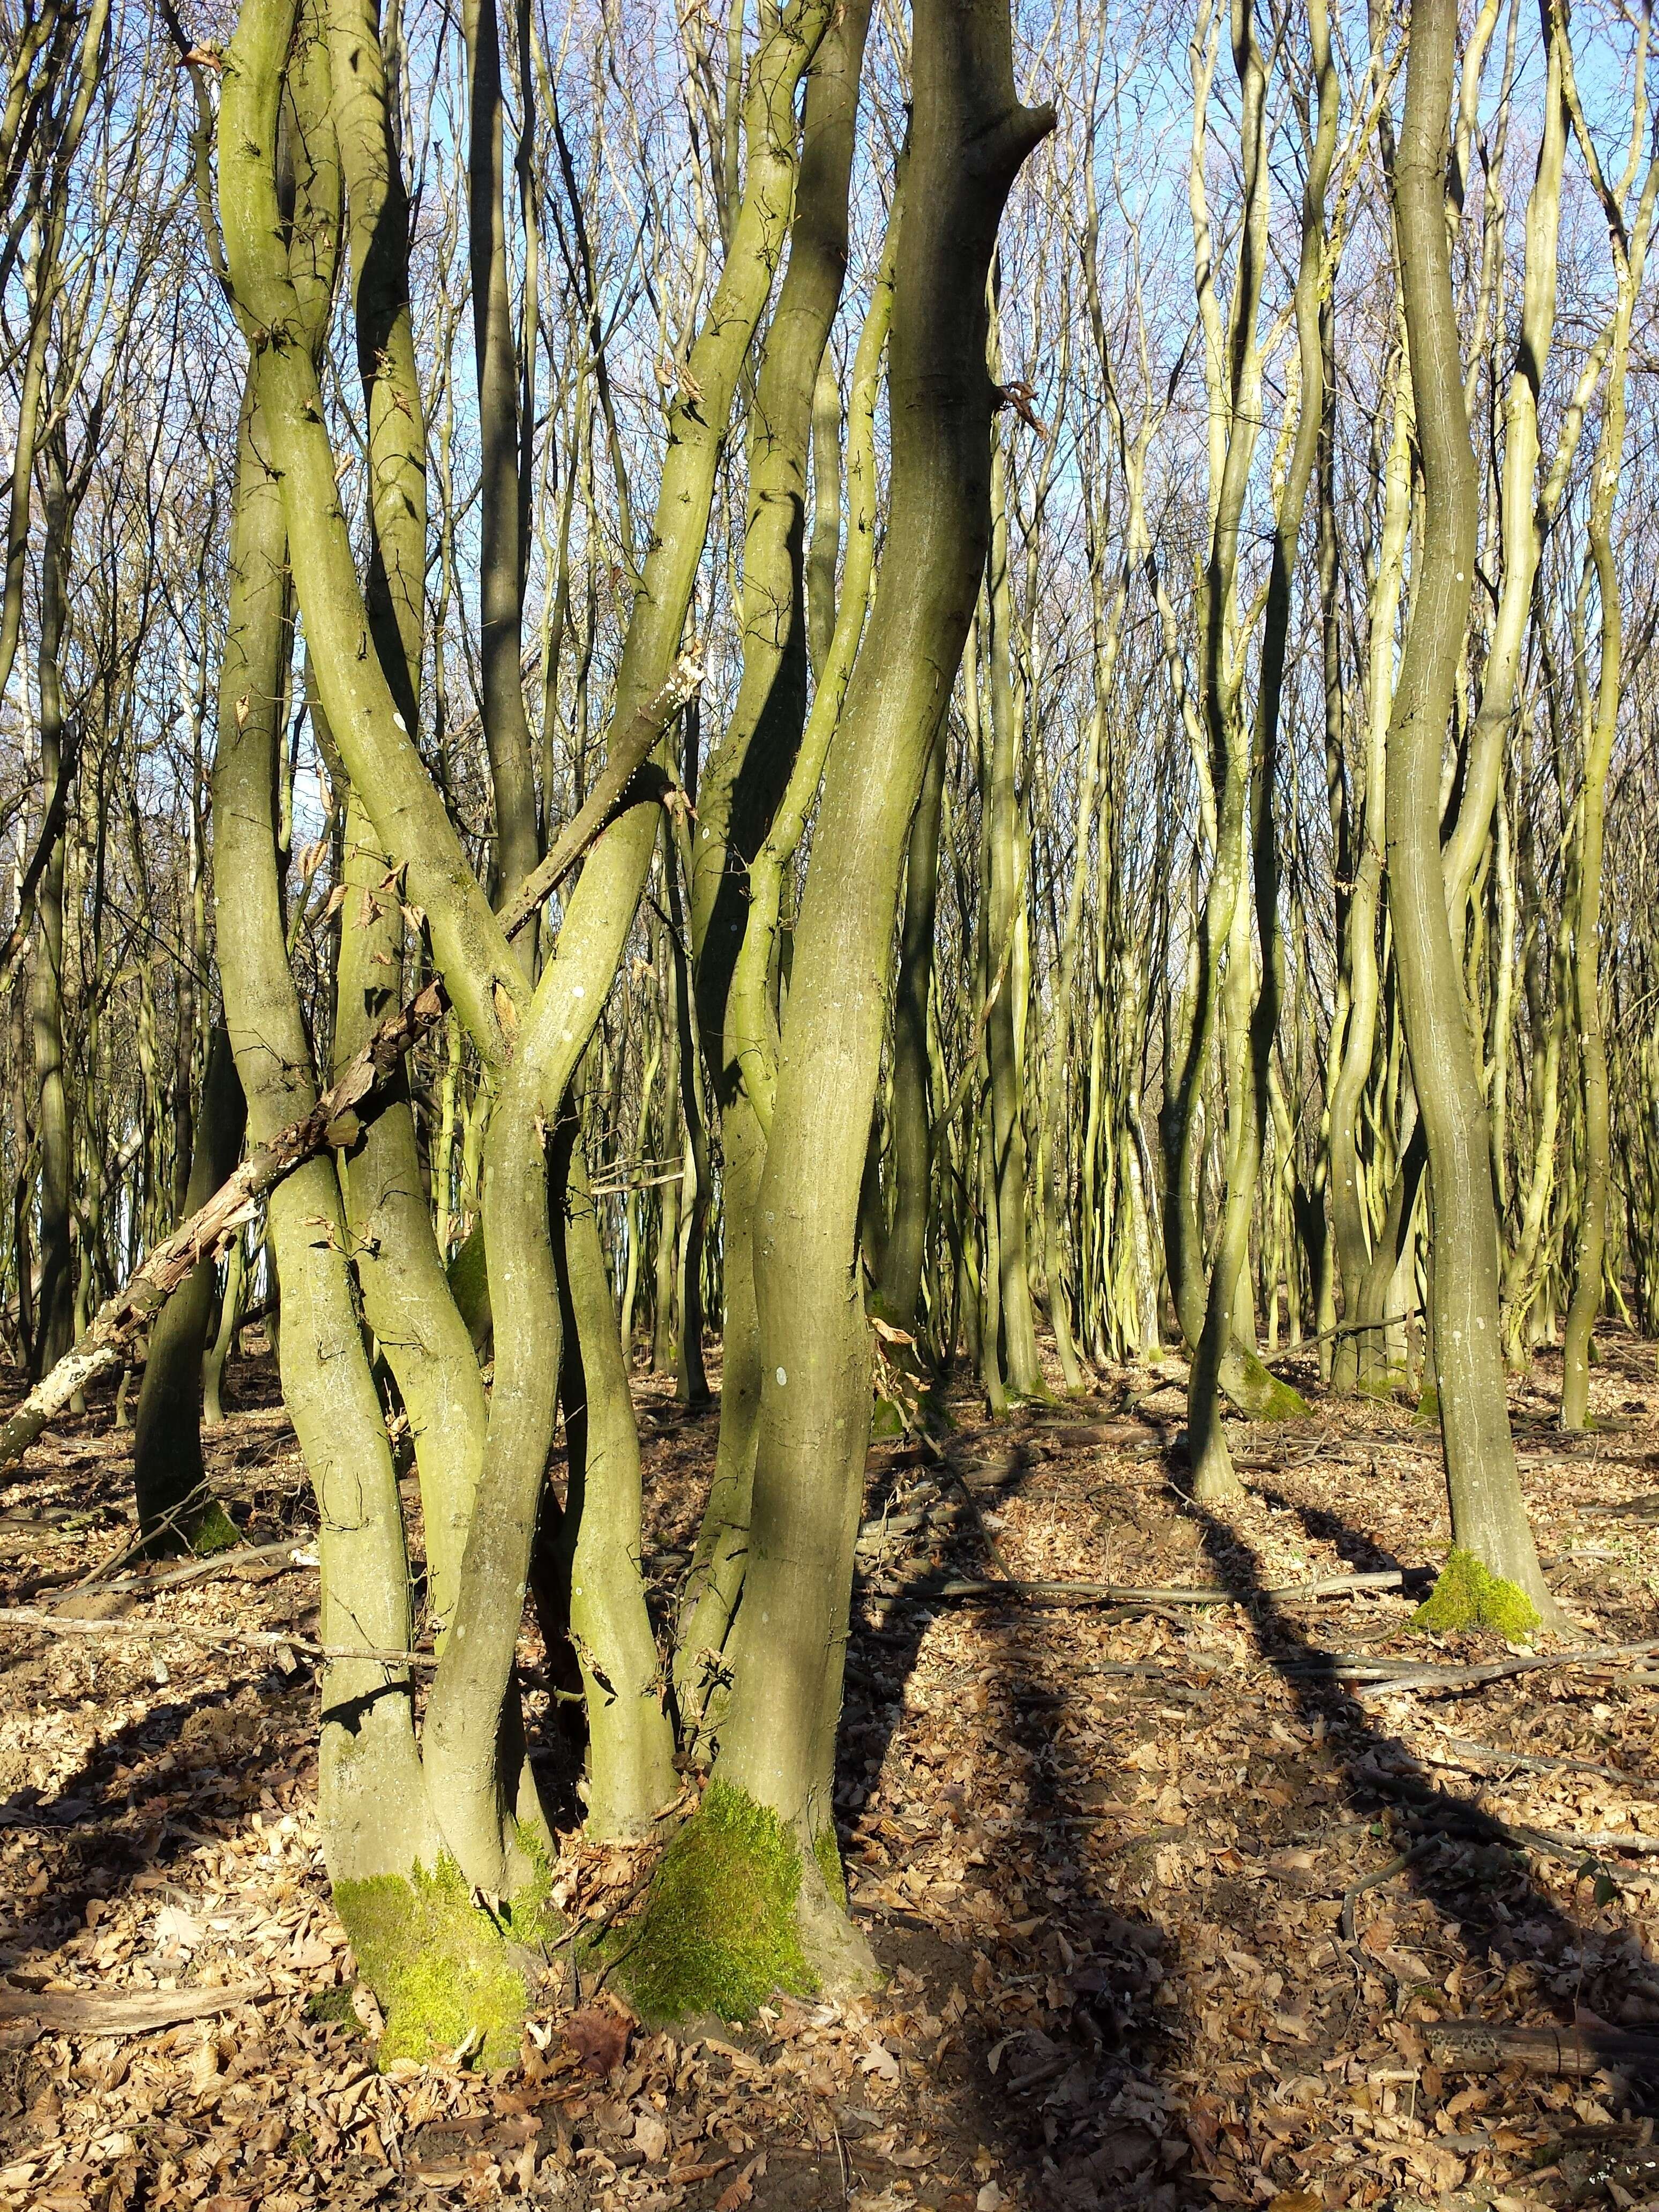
{"x": 1176, "y": 1906}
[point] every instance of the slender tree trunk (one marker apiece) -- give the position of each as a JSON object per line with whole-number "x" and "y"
{"x": 630, "y": 1770}
{"x": 969, "y": 136}
{"x": 745, "y": 781}
{"x": 169, "y": 1474}
{"x": 501, "y": 565}
{"x": 1489, "y": 1518}
{"x": 907, "y": 1235}
{"x": 1022, "y": 1367}
{"x": 55, "y": 1303}
{"x": 1589, "y": 1256}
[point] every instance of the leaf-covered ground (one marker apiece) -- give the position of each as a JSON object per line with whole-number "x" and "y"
{"x": 1176, "y": 1899}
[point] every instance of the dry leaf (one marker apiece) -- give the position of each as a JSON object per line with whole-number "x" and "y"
{"x": 598, "y": 2035}
{"x": 177, "y": 1930}
{"x": 651, "y": 2136}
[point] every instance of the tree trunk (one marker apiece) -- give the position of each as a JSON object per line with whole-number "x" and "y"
{"x": 907, "y": 1235}
{"x": 772, "y": 1775}
{"x": 175, "y": 1509}
{"x": 1489, "y": 1518}
{"x": 55, "y": 1300}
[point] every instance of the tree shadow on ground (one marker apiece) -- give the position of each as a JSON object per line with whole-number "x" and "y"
{"x": 1464, "y": 1861}
{"x": 1102, "y": 2095}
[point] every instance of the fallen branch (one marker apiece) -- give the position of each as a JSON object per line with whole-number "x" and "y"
{"x": 210, "y": 1228}
{"x": 1307, "y": 1343}
{"x": 1374, "y": 1678}
{"x": 188, "y": 1631}
{"x": 1476, "y": 2047}
{"x": 1122, "y": 1594}
{"x": 228, "y": 1562}
{"x": 124, "y": 2012}
{"x": 1482, "y": 1754}
{"x": 1384, "y": 1874}
{"x": 1431, "y": 1804}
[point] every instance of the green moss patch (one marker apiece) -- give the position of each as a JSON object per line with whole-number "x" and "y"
{"x": 442, "y": 1968}
{"x": 1467, "y": 1594}
{"x": 886, "y": 1418}
{"x": 719, "y": 1932}
{"x": 214, "y": 1532}
{"x": 333, "y": 2008}
{"x": 826, "y": 1851}
{"x": 1261, "y": 1395}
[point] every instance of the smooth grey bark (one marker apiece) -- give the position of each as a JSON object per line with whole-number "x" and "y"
{"x": 1489, "y": 1516}
{"x": 970, "y": 136}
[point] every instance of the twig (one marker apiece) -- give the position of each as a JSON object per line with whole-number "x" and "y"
{"x": 993, "y": 1549}
{"x": 1380, "y": 1678}
{"x": 1535, "y": 1762}
{"x": 1431, "y": 1804}
{"x": 1420, "y": 1849}
{"x": 228, "y": 1561}
{"x": 170, "y": 1522}
{"x": 1328, "y": 1335}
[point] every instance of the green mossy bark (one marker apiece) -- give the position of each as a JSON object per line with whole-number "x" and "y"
{"x": 720, "y": 1932}
{"x": 1466, "y": 1594}
{"x": 469, "y": 1285}
{"x": 449, "y": 1976}
{"x": 214, "y": 1532}
{"x": 1258, "y": 1393}
{"x": 827, "y": 1855}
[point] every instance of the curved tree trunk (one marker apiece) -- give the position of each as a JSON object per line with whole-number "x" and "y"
{"x": 1489, "y": 1517}
{"x": 969, "y": 136}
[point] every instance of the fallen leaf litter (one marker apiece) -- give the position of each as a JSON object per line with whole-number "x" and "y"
{"x": 1184, "y": 1901}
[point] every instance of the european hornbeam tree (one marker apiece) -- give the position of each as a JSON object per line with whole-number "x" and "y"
{"x": 420, "y": 1823}
{"x": 695, "y": 852}
{"x": 1489, "y": 1517}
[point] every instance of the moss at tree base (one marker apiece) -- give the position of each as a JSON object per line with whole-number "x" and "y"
{"x": 448, "y": 1977}
{"x": 1467, "y": 1594}
{"x": 886, "y": 1420}
{"x": 720, "y": 1933}
{"x": 826, "y": 1851}
{"x": 214, "y": 1532}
